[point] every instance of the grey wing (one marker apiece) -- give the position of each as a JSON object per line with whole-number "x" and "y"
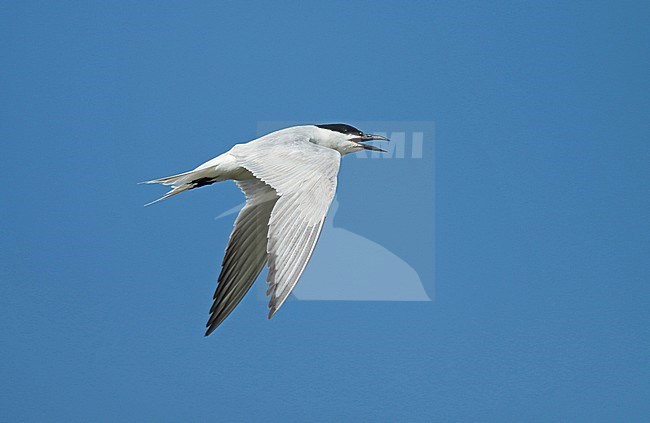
{"x": 304, "y": 175}
{"x": 246, "y": 253}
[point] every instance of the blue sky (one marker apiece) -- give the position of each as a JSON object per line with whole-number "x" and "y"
{"x": 539, "y": 277}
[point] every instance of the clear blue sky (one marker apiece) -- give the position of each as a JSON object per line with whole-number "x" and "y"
{"x": 541, "y": 304}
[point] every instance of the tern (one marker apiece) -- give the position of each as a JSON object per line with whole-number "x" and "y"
{"x": 289, "y": 179}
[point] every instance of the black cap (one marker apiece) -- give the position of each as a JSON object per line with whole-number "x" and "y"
{"x": 342, "y": 128}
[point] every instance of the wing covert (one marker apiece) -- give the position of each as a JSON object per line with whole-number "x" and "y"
{"x": 304, "y": 175}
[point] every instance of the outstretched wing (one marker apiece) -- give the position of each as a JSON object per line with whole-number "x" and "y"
{"x": 246, "y": 252}
{"x": 304, "y": 176}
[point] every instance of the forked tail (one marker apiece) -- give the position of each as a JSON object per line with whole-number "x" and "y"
{"x": 183, "y": 182}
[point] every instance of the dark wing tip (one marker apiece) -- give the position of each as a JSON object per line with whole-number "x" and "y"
{"x": 215, "y": 320}
{"x": 272, "y": 310}
{"x": 210, "y": 330}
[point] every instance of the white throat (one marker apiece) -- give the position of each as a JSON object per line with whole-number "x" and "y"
{"x": 334, "y": 140}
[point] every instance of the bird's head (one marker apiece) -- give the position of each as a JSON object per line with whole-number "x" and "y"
{"x": 346, "y": 139}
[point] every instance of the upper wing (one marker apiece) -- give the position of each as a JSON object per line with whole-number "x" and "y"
{"x": 246, "y": 252}
{"x": 304, "y": 176}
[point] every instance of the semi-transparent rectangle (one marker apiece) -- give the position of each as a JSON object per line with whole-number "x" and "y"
{"x": 378, "y": 243}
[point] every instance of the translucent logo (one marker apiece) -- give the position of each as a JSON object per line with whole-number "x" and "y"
{"x": 335, "y": 273}
{"x": 348, "y": 266}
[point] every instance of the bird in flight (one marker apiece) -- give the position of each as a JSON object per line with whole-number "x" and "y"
{"x": 289, "y": 179}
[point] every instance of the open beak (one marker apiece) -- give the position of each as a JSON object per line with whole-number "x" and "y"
{"x": 370, "y": 137}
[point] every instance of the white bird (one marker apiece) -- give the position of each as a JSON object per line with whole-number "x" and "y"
{"x": 289, "y": 180}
